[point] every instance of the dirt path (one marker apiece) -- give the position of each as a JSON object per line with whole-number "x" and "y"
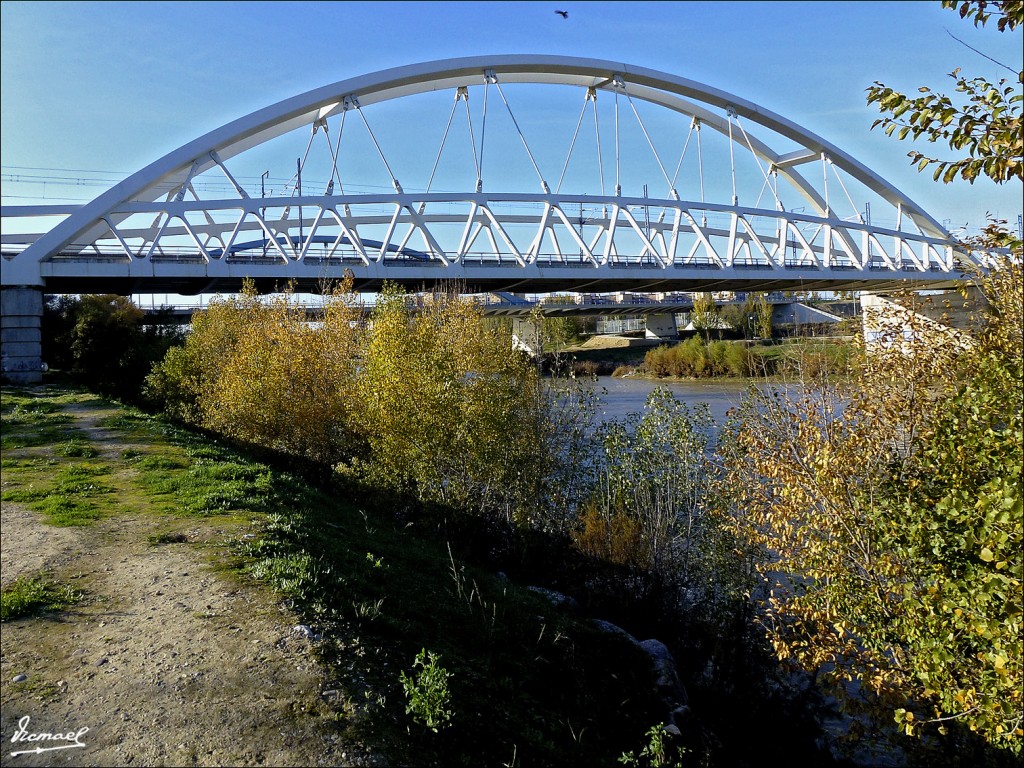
{"x": 167, "y": 661}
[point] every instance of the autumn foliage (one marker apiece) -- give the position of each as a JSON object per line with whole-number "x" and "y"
{"x": 255, "y": 370}
{"x": 890, "y": 521}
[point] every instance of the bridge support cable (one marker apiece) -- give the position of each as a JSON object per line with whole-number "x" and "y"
{"x": 576, "y": 133}
{"x": 669, "y": 247}
{"x": 354, "y": 101}
{"x": 700, "y": 172}
{"x": 671, "y": 188}
{"x": 617, "y": 84}
{"x": 489, "y": 78}
{"x": 301, "y": 166}
{"x": 853, "y": 206}
{"x": 444, "y": 138}
{"x": 336, "y": 156}
{"x": 731, "y": 113}
{"x": 760, "y": 193}
{"x": 295, "y": 182}
{"x": 824, "y": 177}
{"x": 757, "y": 160}
{"x": 600, "y": 155}
{"x": 463, "y": 91}
{"x": 417, "y": 222}
{"x": 526, "y": 146}
{"x": 679, "y": 165}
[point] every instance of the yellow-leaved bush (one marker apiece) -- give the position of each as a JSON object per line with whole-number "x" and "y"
{"x": 888, "y": 514}
{"x": 430, "y": 400}
{"x": 255, "y": 369}
{"x": 450, "y": 411}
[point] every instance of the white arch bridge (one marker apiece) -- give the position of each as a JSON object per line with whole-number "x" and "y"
{"x": 516, "y": 173}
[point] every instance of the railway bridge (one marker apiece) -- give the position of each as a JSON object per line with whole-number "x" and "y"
{"x": 510, "y": 173}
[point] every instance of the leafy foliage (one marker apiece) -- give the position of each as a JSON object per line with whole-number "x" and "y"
{"x": 987, "y": 127}
{"x": 102, "y": 342}
{"x": 657, "y": 752}
{"x": 697, "y": 358}
{"x": 704, "y": 315}
{"x": 889, "y": 515}
{"x": 427, "y": 691}
{"x": 753, "y": 317}
{"x": 449, "y": 410}
{"x": 890, "y": 523}
{"x": 651, "y": 509}
{"x": 25, "y": 596}
{"x": 258, "y": 372}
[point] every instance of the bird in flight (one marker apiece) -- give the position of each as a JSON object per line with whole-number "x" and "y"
{"x": 563, "y": 14}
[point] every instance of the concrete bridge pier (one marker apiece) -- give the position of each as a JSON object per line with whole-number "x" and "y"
{"x": 526, "y": 336}
{"x": 662, "y": 327}
{"x": 21, "y": 351}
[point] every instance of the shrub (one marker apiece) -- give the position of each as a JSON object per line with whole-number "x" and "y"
{"x": 427, "y": 691}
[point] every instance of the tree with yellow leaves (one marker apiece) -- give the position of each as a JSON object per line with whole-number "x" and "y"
{"x": 451, "y": 412}
{"x": 259, "y": 371}
{"x": 890, "y": 523}
{"x": 889, "y": 514}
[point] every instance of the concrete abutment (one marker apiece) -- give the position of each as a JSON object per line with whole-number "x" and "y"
{"x": 21, "y": 350}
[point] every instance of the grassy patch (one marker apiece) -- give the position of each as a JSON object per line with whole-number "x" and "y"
{"x": 76, "y": 448}
{"x": 28, "y": 596}
{"x": 67, "y": 497}
{"x": 30, "y": 418}
{"x": 32, "y": 435}
{"x": 128, "y": 420}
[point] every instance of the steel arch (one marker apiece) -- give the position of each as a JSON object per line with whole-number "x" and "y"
{"x": 138, "y": 192}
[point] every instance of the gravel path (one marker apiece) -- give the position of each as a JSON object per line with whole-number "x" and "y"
{"x": 167, "y": 661}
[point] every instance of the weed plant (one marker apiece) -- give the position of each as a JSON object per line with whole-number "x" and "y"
{"x": 29, "y": 595}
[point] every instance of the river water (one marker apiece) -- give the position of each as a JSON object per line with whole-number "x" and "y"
{"x": 621, "y": 397}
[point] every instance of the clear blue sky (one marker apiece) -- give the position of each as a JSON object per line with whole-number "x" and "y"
{"x": 109, "y": 87}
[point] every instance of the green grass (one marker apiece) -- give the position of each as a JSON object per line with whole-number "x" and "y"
{"x": 31, "y": 418}
{"x": 68, "y": 496}
{"x": 28, "y": 596}
{"x": 76, "y": 447}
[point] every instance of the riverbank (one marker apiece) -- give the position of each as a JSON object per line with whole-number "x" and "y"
{"x": 161, "y": 656}
{"x": 228, "y": 612}
{"x": 695, "y": 360}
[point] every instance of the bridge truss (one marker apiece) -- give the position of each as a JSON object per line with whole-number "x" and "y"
{"x": 659, "y": 183}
